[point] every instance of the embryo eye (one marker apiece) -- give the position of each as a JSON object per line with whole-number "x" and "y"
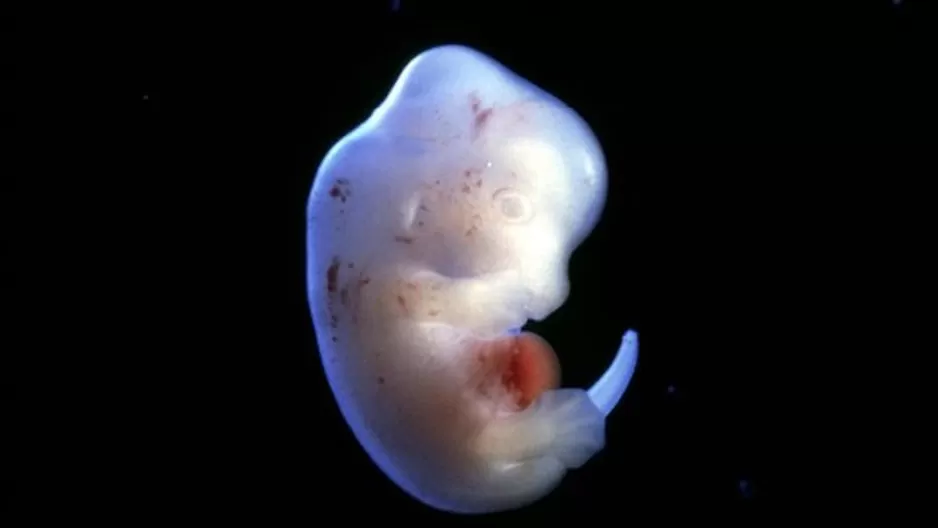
{"x": 512, "y": 205}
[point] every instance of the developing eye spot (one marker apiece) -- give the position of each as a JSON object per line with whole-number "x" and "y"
{"x": 512, "y": 205}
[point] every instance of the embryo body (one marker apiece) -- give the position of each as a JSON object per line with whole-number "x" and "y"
{"x": 436, "y": 230}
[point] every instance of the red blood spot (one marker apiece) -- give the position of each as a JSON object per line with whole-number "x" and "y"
{"x": 475, "y": 102}
{"x": 335, "y": 192}
{"x": 481, "y": 118}
{"x": 526, "y": 366}
{"x": 332, "y": 275}
{"x": 534, "y": 367}
{"x": 512, "y": 376}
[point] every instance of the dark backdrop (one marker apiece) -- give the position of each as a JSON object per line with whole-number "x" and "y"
{"x": 742, "y": 146}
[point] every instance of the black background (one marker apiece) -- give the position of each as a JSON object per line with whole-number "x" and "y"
{"x": 746, "y": 146}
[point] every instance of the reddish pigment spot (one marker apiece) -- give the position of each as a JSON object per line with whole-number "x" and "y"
{"x": 340, "y": 190}
{"x": 479, "y": 183}
{"x": 481, "y": 115}
{"x": 433, "y": 313}
{"x": 466, "y": 189}
{"x": 404, "y": 239}
{"x": 471, "y": 231}
{"x": 402, "y": 302}
{"x": 332, "y": 281}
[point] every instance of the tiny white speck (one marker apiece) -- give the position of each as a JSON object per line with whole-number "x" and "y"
{"x": 488, "y": 164}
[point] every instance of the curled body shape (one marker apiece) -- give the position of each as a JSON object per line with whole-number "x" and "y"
{"x": 436, "y": 230}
